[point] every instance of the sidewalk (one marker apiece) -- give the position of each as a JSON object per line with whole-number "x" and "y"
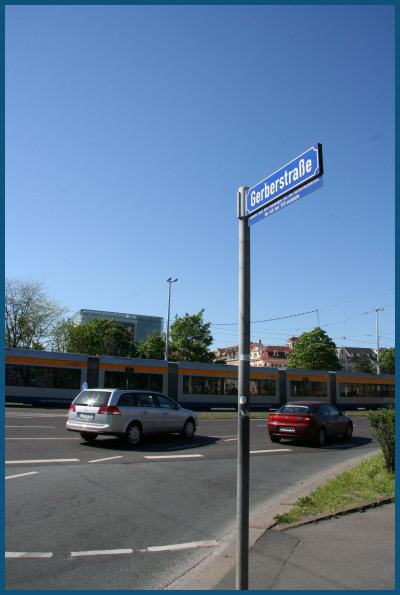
{"x": 355, "y": 551}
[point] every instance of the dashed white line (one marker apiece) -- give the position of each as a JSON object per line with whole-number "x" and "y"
{"x": 180, "y": 546}
{"x": 43, "y": 438}
{"x": 29, "y": 554}
{"x": 101, "y": 553}
{"x": 120, "y": 551}
{"x": 21, "y": 474}
{"x": 23, "y": 427}
{"x": 172, "y": 456}
{"x": 154, "y": 548}
{"x": 231, "y": 439}
{"x": 255, "y": 452}
{"x": 107, "y": 459}
{"x": 35, "y": 461}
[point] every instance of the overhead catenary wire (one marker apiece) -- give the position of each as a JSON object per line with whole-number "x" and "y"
{"x": 266, "y": 320}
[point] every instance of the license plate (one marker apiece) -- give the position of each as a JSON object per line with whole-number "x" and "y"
{"x": 86, "y": 415}
{"x": 287, "y": 429}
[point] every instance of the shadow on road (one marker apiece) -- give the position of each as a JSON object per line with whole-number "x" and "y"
{"x": 157, "y": 443}
{"x": 332, "y": 443}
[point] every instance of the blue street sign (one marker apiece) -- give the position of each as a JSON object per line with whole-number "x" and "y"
{"x": 298, "y": 172}
{"x": 286, "y": 200}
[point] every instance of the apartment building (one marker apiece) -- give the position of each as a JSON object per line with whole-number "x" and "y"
{"x": 261, "y": 356}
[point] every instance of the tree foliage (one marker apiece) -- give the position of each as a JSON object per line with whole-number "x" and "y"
{"x": 98, "y": 337}
{"x": 363, "y": 364}
{"x": 190, "y": 339}
{"x": 30, "y": 315}
{"x": 383, "y": 424}
{"x": 153, "y": 347}
{"x": 387, "y": 360}
{"x": 314, "y": 351}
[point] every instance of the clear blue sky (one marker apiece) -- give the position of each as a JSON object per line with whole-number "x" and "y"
{"x": 129, "y": 130}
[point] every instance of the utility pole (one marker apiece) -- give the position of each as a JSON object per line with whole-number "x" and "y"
{"x": 242, "y": 550}
{"x": 378, "y": 365}
{"x": 170, "y": 281}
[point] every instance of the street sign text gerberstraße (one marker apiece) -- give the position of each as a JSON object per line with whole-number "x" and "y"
{"x": 298, "y": 172}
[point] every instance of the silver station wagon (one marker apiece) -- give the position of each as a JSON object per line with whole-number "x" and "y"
{"x": 128, "y": 414}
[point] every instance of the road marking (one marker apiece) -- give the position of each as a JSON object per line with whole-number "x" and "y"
{"x": 30, "y": 416}
{"x": 180, "y": 546}
{"x": 43, "y": 438}
{"x": 29, "y": 554}
{"x": 231, "y": 439}
{"x": 21, "y": 474}
{"x": 101, "y": 553}
{"x": 192, "y": 445}
{"x": 35, "y": 461}
{"x": 29, "y": 427}
{"x": 107, "y": 459}
{"x": 255, "y": 452}
{"x": 120, "y": 551}
{"x": 171, "y": 456}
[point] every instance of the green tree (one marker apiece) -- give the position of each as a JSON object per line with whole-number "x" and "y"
{"x": 387, "y": 360}
{"x": 99, "y": 337}
{"x": 190, "y": 339}
{"x": 363, "y": 364}
{"x": 153, "y": 347}
{"x": 61, "y": 335}
{"x": 30, "y": 315}
{"x": 314, "y": 351}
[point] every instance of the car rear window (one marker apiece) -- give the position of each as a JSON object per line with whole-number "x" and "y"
{"x": 93, "y": 398}
{"x": 295, "y": 408}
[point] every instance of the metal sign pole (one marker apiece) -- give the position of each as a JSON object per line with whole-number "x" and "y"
{"x": 242, "y": 550}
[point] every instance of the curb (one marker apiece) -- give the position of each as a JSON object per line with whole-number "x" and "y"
{"x": 330, "y": 515}
{"x": 209, "y": 571}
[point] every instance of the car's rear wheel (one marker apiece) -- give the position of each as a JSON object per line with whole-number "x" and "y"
{"x": 133, "y": 434}
{"x": 188, "y": 429}
{"x": 320, "y": 437}
{"x": 348, "y": 434}
{"x": 275, "y": 438}
{"x": 88, "y": 436}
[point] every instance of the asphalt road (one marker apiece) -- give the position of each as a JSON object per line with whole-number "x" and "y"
{"x": 104, "y": 516}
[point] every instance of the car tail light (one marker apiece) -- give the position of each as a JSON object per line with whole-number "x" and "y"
{"x": 72, "y": 407}
{"x": 307, "y": 419}
{"x": 109, "y": 410}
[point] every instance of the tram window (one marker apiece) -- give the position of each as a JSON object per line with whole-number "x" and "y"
{"x": 66, "y": 378}
{"x": 209, "y": 385}
{"x": 364, "y": 390}
{"x": 129, "y": 380}
{"x": 230, "y": 387}
{"x": 15, "y": 375}
{"x": 203, "y": 385}
{"x": 262, "y": 387}
{"x": 308, "y": 388}
{"x": 42, "y": 376}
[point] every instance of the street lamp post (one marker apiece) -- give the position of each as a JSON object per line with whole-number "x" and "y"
{"x": 378, "y": 366}
{"x": 169, "y": 281}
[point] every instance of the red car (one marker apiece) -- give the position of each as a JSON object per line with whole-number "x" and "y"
{"x": 308, "y": 420}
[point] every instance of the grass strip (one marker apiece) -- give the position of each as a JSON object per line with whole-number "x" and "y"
{"x": 366, "y": 482}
